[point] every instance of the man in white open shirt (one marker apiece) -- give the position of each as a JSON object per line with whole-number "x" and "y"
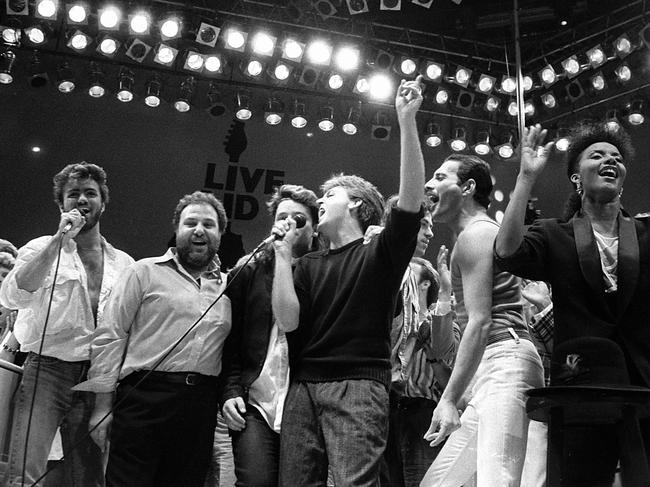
{"x": 88, "y": 268}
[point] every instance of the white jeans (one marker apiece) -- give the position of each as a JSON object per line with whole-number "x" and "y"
{"x": 494, "y": 427}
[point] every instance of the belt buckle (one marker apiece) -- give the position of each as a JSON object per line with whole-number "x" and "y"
{"x": 192, "y": 379}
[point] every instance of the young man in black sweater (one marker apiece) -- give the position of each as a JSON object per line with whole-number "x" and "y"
{"x": 340, "y": 309}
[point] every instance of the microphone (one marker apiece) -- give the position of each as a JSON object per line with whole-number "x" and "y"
{"x": 300, "y": 220}
{"x": 68, "y": 226}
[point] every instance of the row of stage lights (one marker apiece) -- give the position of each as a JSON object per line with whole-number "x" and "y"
{"x": 260, "y": 54}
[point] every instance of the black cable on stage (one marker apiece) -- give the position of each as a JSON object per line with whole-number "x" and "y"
{"x": 155, "y": 366}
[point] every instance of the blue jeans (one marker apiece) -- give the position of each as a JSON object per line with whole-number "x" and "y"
{"x": 343, "y": 424}
{"x": 56, "y": 404}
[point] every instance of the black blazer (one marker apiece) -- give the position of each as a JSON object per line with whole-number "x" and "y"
{"x": 565, "y": 254}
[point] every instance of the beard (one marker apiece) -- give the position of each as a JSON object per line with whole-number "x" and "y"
{"x": 193, "y": 260}
{"x": 92, "y": 219}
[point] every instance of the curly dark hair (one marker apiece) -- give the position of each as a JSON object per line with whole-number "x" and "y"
{"x": 473, "y": 167}
{"x": 297, "y": 193}
{"x": 201, "y": 198}
{"x": 80, "y": 171}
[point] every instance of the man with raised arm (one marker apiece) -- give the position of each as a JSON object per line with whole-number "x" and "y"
{"x": 340, "y": 309}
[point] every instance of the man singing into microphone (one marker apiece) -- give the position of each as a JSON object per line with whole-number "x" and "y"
{"x": 66, "y": 317}
{"x": 341, "y": 306}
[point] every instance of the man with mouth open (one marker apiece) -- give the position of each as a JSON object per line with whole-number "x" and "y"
{"x": 340, "y": 310}
{"x": 157, "y": 353}
{"x": 88, "y": 269}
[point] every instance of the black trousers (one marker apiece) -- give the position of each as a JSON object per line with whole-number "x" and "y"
{"x": 163, "y": 431}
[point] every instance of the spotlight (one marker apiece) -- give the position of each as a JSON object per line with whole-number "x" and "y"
{"x": 309, "y": 76}
{"x": 319, "y": 52}
{"x": 235, "y": 39}
{"x": 623, "y": 73}
{"x": 406, "y": 66}
{"x": 574, "y": 91}
{"x": 482, "y": 146}
{"x": 242, "y": 106}
{"x": 528, "y": 83}
{"x": 38, "y": 76}
{"x": 351, "y": 125}
{"x": 622, "y": 46}
{"x": 548, "y": 75}
{"x": 644, "y": 35}
{"x": 78, "y": 41}
{"x": 108, "y": 46}
{"x": 10, "y": 35}
{"x": 17, "y": 7}
{"x": 465, "y": 100}
{"x": 442, "y": 96}
{"x": 433, "y": 71}
{"x": 636, "y": 110}
{"x": 216, "y": 106}
{"x": 562, "y": 139}
{"x": 492, "y": 104}
{"x": 281, "y": 71}
{"x": 138, "y": 50}
{"x": 459, "y": 141}
{"x": 46, "y": 9}
{"x": 361, "y": 86}
{"x": 508, "y": 84}
{"x": 193, "y": 61}
{"x": 529, "y": 108}
{"x": 513, "y": 109}
{"x": 549, "y": 101}
{"x": 139, "y": 23}
{"x": 462, "y": 76}
{"x": 77, "y": 14}
{"x": 96, "y": 87}
{"x": 292, "y": 49}
{"x": 506, "y": 150}
{"x": 326, "y": 118}
{"x": 65, "y": 78}
{"x": 253, "y": 68}
{"x": 596, "y": 56}
{"x": 36, "y": 34}
{"x": 7, "y": 61}
{"x": 207, "y": 34}
{"x": 273, "y": 111}
{"x": 213, "y": 63}
{"x": 263, "y": 44}
{"x": 486, "y": 83}
{"x": 170, "y": 28}
{"x": 598, "y": 82}
{"x": 109, "y": 18}
{"x": 335, "y": 82}
{"x": 381, "y": 86}
{"x": 611, "y": 120}
{"x": 298, "y": 114}
{"x": 347, "y": 58}
{"x": 381, "y": 60}
{"x": 432, "y": 135}
{"x": 165, "y": 55}
{"x": 571, "y": 66}
{"x": 153, "y": 89}
{"x": 185, "y": 95}
{"x": 381, "y": 127}
{"x": 126, "y": 80}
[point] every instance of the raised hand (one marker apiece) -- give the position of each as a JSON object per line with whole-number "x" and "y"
{"x": 443, "y": 271}
{"x": 534, "y": 153}
{"x": 409, "y": 97}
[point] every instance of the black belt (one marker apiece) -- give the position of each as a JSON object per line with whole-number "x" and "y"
{"x": 176, "y": 378}
{"x": 406, "y": 402}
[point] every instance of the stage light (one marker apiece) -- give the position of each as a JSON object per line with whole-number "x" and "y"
{"x": 462, "y": 76}
{"x": 598, "y": 82}
{"x": 254, "y": 68}
{"x": 153, "y": 90}
{"x": 242, "y": 106}
{"x": 7, "y": 61}
{"x": 207, "y": 34}
{"x": 508, "y": 84}
{"x": 486, "y": 83}
{"x": 165, "y": 55}
{"x": 432, "y": 136}
{"x": 596, "y": 56}
{"x": 193, "y": 61}
{"x": 406, "y": 66}
{"x": 347, "y": 58}
{"x": 458, "y": 142}
{"x": 263, "y": 44}
{"x": 309, "y": 76}
{"x": 138, "y": 50}
{"x": 506, "y": 150}
{"x": 636, "y": 110}
{"x": 562, "y": 139}
{"x": 482, "y": 145}
{"x": 548, "y": 75}
{"x": 381, "y": 128}
{"x": 17, "y": 7}
{"x": 571, "y": 66}
{"x": 65, "y": 78}
{"x": 622, "y": 46}
{"x": 611, "y": 120}
{"x": 381, "y": 59}
{"x": 298, "y": 114}
{"x": 574, "y": 91}
{"x": 108, "y": 46}
{"x": 319, "y": 52}
{"x": 433, "y": 71}
{"x": 38, "y": 76}
{"x": 442, "y": 96}
{"x": 235, "y": 39}
{"x": 335, "y": 82}
{"x": 213, "y": 63}
{"x": 528, "y": 83}
{"x": 465, "y": 100}
{"x": 109, "y": 18}
{"x": 492, "y": 103}
{"x": 139, "y": 23}
{"x": 281, "y": 71}
{"x": 78, "y": 41}
{"x": 77, "y": 14}
{"x": 35, "y": 34}
{"x": 513, "y": 109}
{"x": 46, "y": 9}
{"x": 96, "y": 87}
{"x": 216, "y": 107}
{"x": 10, "y": 35}
{"x": 273, "y": 111}
{"x": 170, "y": 28}
{"x": 351, "y": 125}
{"x": 529, "y": 108}
{"x": 623, "y": 73}
{"x": 184, "y": 101}
{"x": 381, "y": 87}
{"x": 549, "y": 100}
{"x": 125, "y": 80}
{"x": 292, "y": 49}
{"x": 326, "y": 118}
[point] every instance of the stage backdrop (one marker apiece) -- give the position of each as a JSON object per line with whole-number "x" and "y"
{"x": 154, "y": 156}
